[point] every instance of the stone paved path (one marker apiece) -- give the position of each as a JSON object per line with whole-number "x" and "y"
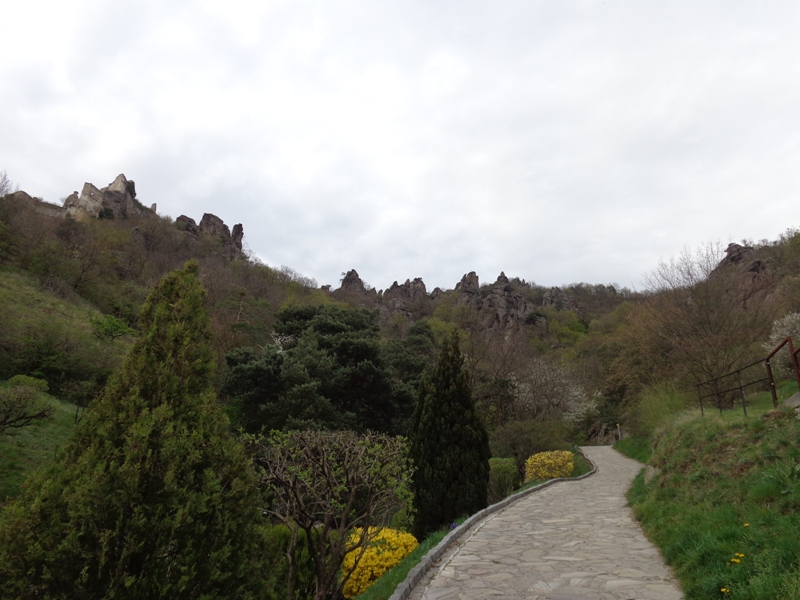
{"x": 571, "y": 541}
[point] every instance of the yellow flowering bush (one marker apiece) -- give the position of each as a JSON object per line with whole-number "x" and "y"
{"x": 547, "y": 465}
{"x": 386, "y": 548}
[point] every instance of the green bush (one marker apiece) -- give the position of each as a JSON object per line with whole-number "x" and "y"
{"x": 503, "y": 478}
{"x": 654, "y": 406}
{"x": 521, "y": 439}
{"x": 30, "y": 382}
{"x": 277, "y": 541}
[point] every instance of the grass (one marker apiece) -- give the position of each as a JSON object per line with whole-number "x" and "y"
{"x": 758, "y": 403}
{"x": 24, "y": 452}
{"x": 725, "y": 508}
{"x": 640, "y": 449}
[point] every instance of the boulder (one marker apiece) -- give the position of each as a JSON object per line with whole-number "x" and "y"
{"x": 186, "y": 224}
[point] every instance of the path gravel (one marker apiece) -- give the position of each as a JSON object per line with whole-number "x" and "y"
{"x": 571, "y": 541}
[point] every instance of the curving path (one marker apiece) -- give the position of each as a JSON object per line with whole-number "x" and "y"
{"x": 571, "y": 541}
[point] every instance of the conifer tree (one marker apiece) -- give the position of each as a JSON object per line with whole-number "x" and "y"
{"x": 152, "y": 497}
{"x": 449, "y": 446}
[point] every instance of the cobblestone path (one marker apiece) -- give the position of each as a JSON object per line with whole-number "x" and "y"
{"x": 571, "y": 541}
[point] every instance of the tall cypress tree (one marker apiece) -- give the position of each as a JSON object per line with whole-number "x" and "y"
{"x": 449, "y": 446}
{"x": 152, "y": 496}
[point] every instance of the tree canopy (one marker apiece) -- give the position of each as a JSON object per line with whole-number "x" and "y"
{"x": 329, "y": 370}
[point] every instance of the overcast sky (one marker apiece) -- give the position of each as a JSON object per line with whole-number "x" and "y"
{"x": 557, "y": 140}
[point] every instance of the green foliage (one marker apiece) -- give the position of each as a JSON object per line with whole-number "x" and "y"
{"x": 22, "y": 403}
{"x": 278, "y": 542}
{"x": 503, "y": 478}
{"x": 727, "y": 489}
{"x": 521, "y": 439}
{"x": 152, "y": 496}
{"x": 33, "y": 447}
{"x": 640, "y": 449}
{"x": 449, "y": 446}
{"x": 50, "y": 338}
{"x": 654, "y": 405}
{"x": 108, "y": 328}
{"x": 330, "y": 372}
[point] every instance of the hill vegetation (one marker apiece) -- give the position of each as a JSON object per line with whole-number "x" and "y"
{"x": 545, "y": 367}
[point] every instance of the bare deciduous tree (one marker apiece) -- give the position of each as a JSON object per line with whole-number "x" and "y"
{"x": 709, "y": 315}
{"x": 6, "y": 185}
{"x": 328, "y": 483}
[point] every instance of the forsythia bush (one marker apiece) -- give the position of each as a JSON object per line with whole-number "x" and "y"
{"x": 547, "y": 465}
{"x": 387, "y": 548}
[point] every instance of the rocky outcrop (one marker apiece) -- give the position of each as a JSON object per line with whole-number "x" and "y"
{"x": 353, "y": 289}
{"x": 743, "y": 258}
{"x": 498, "y": 307}
{"x": 187, "y": 224}
{"x": 469, "y": 283}
{"x": 115, "y": 201}
{"x": 410, "y": 291}
{"x": 213, "y": 225}
{"x": 557, "y": 298}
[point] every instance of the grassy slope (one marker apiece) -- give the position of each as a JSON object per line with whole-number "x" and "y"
{"x": 641, "y": 448}
{"x": 718, "y": 474}
{"x": 26, "y": 308}
{"x": 33, "y": 446}
{"x": 32, "y": 314}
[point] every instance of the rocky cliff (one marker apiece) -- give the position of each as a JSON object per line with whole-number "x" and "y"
{"x": 213, "y": 225}
{"x": 501, "y": 305}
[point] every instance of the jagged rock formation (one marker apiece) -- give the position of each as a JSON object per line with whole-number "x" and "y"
{"x": 408, "y": 300}
{"x": 410, "y": 291}
{"x": 501, "y": 306}
{"x": 560, "y": 300}
{"x": 469, "y": 283}
{"x": 213, "y": 225}
{"x": 114, "y": 201}
{"x": 743, "y": 258}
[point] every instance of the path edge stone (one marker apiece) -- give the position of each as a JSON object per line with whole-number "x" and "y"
{"x": 415, "y": 575}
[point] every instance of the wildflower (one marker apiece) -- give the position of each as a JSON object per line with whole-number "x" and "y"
{"x": 747, "y": 524}
{"x": 739, "y": 555}
{"x": 736, "y": 560}
{"x": 453, "y": 525}
{"x": 724, "y": 590}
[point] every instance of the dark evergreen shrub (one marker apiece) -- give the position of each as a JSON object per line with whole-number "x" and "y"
{"x": 449, "y": 446}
